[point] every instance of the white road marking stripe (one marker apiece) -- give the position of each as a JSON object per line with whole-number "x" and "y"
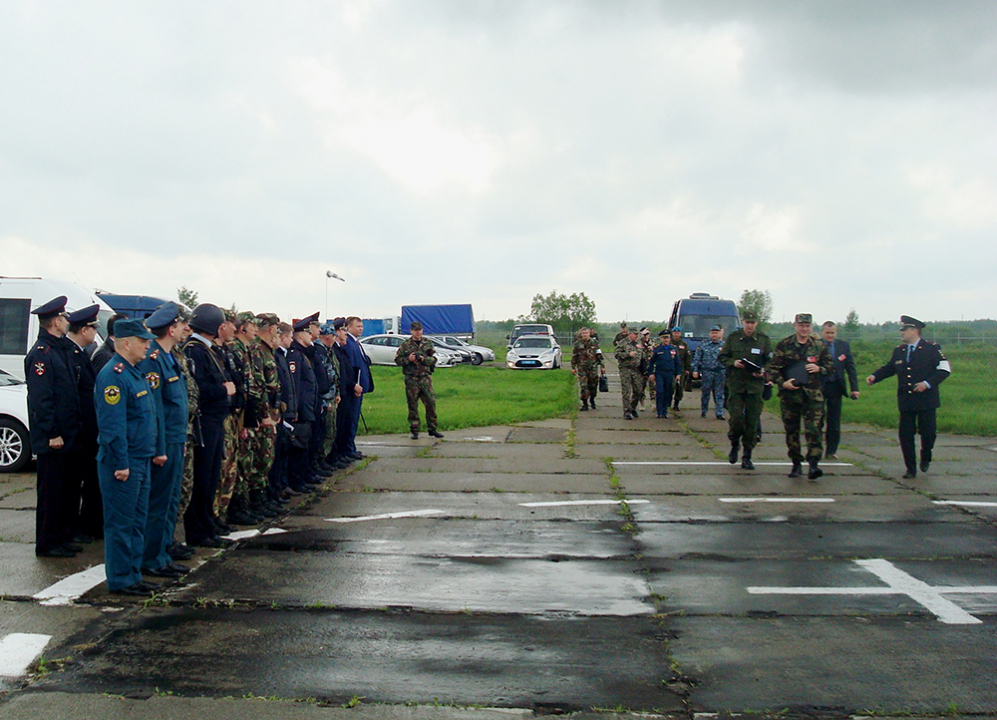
{"x": 18, "y": 651}
{"x": 776, "y": 500}
{"x": 274, "y": 531}
{"x": 386, "y": 516}
{"x": 69, "y": 588}
{"x": 713, "y": 462}
{"x": 898, "y": 583}
{"x": 563, "y": 503}
{"x": 966, "y": 503}
{"x": 241, "y": 534}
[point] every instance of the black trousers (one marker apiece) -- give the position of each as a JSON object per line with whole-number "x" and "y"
{"x": 199, "y": 519}
{"x": 55, "y": 511}
{"x": 911, "y": 423}
{"x": 832, "y": 420}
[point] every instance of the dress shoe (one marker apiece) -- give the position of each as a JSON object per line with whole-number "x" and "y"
{"x": 797, "y": 470}
{"x": 925, "y": 465}
{"x": 584, "y": 408}
{"x": 163, "y": 572}
{"x": 181, "y": 552}
{"x": 415, "y": 436}
{"x": 83, "y": 538}
{"x": 59, "y": 551}
{"x": 147, "y": 586}
{"x": 702, "y": 415}
{"x": 732, "y": 455}
{"x": 131, "y": 591}
{"x": 72, "y": 547}
{"x": 288, "y": 493}
{"x": 721, "y": 417}
{"x": 436, "y": 434}
{"x": 209, "y": 542}
{"x": 910, "y": 474}
{"x": 357, "y": 455}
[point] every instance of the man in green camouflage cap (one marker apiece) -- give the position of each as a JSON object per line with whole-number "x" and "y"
{"x": 586, "y": 364}
{"x": 745, "y": 355}
{"x": 417, "y": 356}
{"x": 264, "y": 412}
{"x": 799, "y": 365}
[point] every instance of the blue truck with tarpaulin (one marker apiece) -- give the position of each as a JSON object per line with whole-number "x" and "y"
{"x": 440, "y": 319}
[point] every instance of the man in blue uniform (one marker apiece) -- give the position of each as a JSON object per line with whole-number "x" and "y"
{"x": 126, "y": 416}
{"x": 88, "y": 513}
{"x": 665, "y": 364}
{"x": 169, "y": 391}
{"x": 920, "y": 368}
{"x": 707, "y": 367}
{"x": 54, "y": 419}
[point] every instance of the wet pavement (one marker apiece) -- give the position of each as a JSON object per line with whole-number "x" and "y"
{"x": 573, "y": 565}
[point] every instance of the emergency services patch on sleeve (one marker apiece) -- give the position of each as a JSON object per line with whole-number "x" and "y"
{"x": 153, "y": 380}
{"x": 112, "y": 394}
{"x": 120, "y": 367}
{"x": 39, "y": 368}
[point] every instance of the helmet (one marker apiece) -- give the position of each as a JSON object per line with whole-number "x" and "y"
{"x": 207, "y": 318}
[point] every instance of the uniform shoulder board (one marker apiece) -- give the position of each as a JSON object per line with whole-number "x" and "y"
{"x": 120, "y": 367}
{"x": 154, "y": 354}
{"x": 43, "y": 348}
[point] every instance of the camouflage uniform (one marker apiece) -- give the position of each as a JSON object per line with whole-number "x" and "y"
{"x": 264, "y": 389}
{"x": 236, "y": 460}
{"x": 586, "y": 361}
{"x": 330, "y": 417}
{"x": 193, "y": 431}
{"x": 807, "y": 403}
{"x": 712, "y": 376}
{"x": 744, "y": 390}
{"x": 630, "y": 373}
{"x": 646, "y": 350}
{"x": 682, "y": 379}
{"x": 418, "y": 380}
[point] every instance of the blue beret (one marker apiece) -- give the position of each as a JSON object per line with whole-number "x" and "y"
{"x": 131, "y": 327}
{"x": 84, "y": 316}
{"x": 677, "y": 328}
{"x": 164, "y": 316}
{"x": 52, "y": 307}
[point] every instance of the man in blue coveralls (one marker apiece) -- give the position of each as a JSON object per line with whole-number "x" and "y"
{"x": 126, "y": 418}
{"x": 169, "y": 391}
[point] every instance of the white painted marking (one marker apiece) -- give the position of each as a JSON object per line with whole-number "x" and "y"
{"x": 386, "y": 516}
{"x": 482, "y": 438}
{"x": 776, "y": 500}
{"x": 274, "y": 531}
{"x": 69, "y": 588}
{"x": 563, "y": 503}
{"x": 241, "y": 534}
{"x": 714, "y": 462}
{"x": 966, "y": 503}
{"x": 18, "y": 651}
{"x": 898, "y": 582}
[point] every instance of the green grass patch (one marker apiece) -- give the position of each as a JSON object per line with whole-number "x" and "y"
{"x": 471, "y": 397}
{"x": 969, "y": 394}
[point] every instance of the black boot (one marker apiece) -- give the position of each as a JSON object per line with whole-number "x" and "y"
{"x": 585, "y": 405}
{"x": 925, "y": 460}
{"x": 732, "y": 455}
{"x": 797, "y": 470}
{"x": 592, "y": 403}
{"x": 746, "y": 463}
{"x": 815, "y": 472}
{"x": 237, "y": 514}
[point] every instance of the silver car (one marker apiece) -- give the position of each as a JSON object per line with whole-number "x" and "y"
{"x": 381, "y": 350}
{"x": 534, "y": 351}
{"x": 479, "y": 353}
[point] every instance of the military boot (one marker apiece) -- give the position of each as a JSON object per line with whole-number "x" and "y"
{"x": 585, "y": 405}
{"x": 237, "y": 514}
{"x": 815, "y": 472}
{"x": 592, "y": 403}
{"x": 732, "y": 455}
{"x": 797, "y": 470}
{"x": 746, "y": 463}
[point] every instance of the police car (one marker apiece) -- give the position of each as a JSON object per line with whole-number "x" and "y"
{"x": 540, "y": 352}
{"x": 15, "y": 444}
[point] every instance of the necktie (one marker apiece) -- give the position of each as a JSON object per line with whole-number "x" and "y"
{"x": 909, "y": 348}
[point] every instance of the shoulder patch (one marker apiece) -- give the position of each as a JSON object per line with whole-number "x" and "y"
{"x": 112, "y": 394}
{"x": 153, "y": 379}
{"x": 39, "y": 368}
{"x": 292, "y": 366}
{"x": 119, "y": 368}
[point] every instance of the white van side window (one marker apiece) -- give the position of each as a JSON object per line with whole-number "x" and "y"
{"x": 14, "y": 317}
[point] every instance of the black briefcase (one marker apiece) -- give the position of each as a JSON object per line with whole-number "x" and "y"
{"x": 603, "y": 383}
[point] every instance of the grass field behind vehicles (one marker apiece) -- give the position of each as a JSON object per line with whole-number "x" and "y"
{"x": 969, "y": 394}
{"x": 469, "y": 396}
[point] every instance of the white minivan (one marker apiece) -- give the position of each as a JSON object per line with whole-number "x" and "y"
{"x": 19, "y": 328}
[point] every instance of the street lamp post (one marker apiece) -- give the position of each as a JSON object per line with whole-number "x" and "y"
{"x": 329, "y": 274}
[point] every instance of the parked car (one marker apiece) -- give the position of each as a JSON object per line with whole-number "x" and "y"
{"x": 465, "y": 356}
{"x": 381, "y": 350}
{"x": 480, "y": 353}
{"x": 534, "y": 351}
{"x": 15, "y": 444}
{"x": 528, "y": 329}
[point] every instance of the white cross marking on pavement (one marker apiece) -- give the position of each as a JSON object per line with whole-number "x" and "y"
{"x": 18, "y": 651}
{"x": 69, "y": 588}
{"x": 898, "y": 583}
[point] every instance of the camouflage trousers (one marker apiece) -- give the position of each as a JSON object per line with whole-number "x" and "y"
{"x": 714, "y": 382}
{"x": 806, "y": 406}
{"x": 187, "y": 484}
{"x": 230, "y": 464}
{"x": 745, "y": 412}
{"x": 262, "y": 446}
{"x": 420, "y": 387}
{"x": 631, "y": 386}
{"x": 588, "y": 383}
{"x": 678, "y": 392}
{"x": 329, "y": 441}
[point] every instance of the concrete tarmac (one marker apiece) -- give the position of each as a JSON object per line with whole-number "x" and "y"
{"x": 580, "y": 565}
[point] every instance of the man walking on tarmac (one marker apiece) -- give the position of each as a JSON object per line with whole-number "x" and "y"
{"x": 745, "y": 354}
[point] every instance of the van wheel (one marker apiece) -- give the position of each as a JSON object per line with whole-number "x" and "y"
{"x": 15, "y": 445}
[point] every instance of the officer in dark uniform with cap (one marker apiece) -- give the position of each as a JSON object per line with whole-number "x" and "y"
{"x": 54, "y": 418}
{"x": 88, "y": 511}
{"x": 302, "y": 372}
{"x": 169, "y": 391}
{"x": 920, "y": 367}
{"x": 127, "y": 418}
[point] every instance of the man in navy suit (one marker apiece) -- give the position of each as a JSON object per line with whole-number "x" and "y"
{"x": 920, "y": 367}
{"x": 834, "y": 385}
{"x": 353, "y": 386}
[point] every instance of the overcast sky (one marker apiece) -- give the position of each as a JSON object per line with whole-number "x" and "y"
{"x": 837, "y": 154}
